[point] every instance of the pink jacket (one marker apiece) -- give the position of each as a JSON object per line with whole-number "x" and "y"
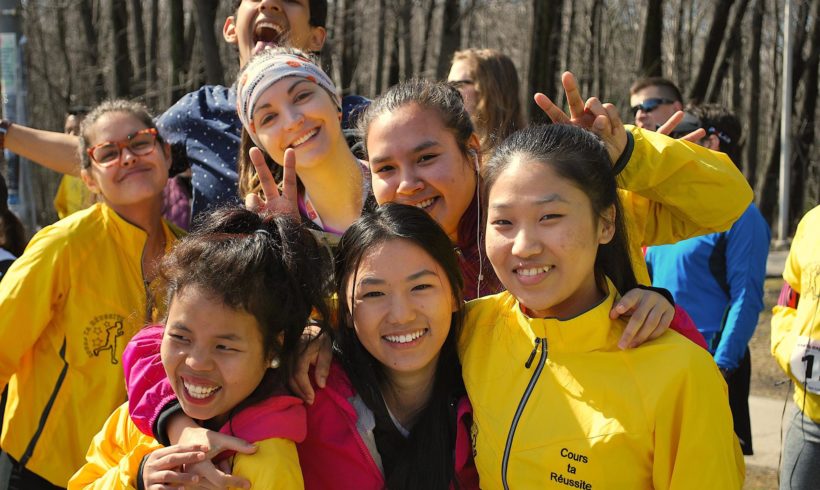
{"x": 332, "y": 454}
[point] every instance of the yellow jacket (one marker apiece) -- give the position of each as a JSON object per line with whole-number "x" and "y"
{"x": 796, "y": 331}
{"x": 68, "y": 306}
{"x": 118, "y": 449}
{"x": 672, "y": 190}
{"x": 556, "y": 404}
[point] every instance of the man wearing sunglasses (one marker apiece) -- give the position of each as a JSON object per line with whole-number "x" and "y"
{"x": 653, "y": 101}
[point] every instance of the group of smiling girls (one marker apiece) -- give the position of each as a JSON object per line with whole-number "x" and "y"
{"x": 525, "y": 388}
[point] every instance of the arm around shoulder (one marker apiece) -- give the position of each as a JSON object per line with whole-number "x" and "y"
{"x": 55, "y": 151}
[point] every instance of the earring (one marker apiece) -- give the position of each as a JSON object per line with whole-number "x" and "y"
{"x": 274, "y": 363}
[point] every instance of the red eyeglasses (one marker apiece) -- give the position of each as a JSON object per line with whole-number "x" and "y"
{"x": 109, "y": 152}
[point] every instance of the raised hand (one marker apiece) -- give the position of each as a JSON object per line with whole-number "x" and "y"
{"x": 284, "y": 203}
{"x": 601, "y": 119}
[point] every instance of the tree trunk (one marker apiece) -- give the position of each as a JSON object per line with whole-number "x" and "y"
{"x": 544, "y": 52}
{"x": 450, "y": 37}
{"x": 177, "y": 40}
{"x": 378, "y": 61}
{"x": 151, "y": 72}
{"x": 731, "y": 44}
{"x": 139, "y": 47}
{"x": 406, "y": 39}
{"x": 90, "y": 31}
{"x": 421, "y": 63}
{"x": 651, "y": 64}
{"x": 348, "y": 32}
{"x": 63, "y": 40}
{"x": 753, "y": 94}
{"x": 206, "y": 16}
{"x": 805, "y": 135}
{"x": 710, "y": 50}
{"x": 680, "y": 46}
{"x": 598, "y": 70}
{"x": 120, "y": 59}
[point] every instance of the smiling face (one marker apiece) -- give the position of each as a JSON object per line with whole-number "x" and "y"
{"x": 542, "y": 239}
{"x": 133, "y": 179}
{"x": 402, "y": 309}
{"x": 415, "y": 160}
{"x": 258, "y": 24}
{"x": 212, "y": 354}
{"x": 297, "y": 113}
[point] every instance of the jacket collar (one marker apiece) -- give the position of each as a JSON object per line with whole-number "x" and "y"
{"x": 129, "y": 235}
{"x": 586, "y": 332}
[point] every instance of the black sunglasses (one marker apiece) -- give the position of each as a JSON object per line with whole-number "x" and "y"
{"x": 649, "y": 105}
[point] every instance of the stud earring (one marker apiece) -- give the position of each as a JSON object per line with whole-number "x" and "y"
{"x": 274, "y": 363}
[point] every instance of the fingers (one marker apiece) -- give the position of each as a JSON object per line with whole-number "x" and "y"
{"x": 300, "y": 376}
{"x": 574, "y": 100}
{"x": 223, "y": 442}
{"x": 266, "y": 179}
{"x": 671, "y": 123}
{"x": 663, "y": 324}
{"x": 552, "y": 111}
{"x": 170, "y": 479}
{"x": 323, "y": 360}
{"x": 289, "y": 187}
{"x": 637, "y": 324}
{"x": 695, "y": 136}
{"x": 614, "y": 117}
{"x": 626, "y": 304}
{"x": 254, "y": 203}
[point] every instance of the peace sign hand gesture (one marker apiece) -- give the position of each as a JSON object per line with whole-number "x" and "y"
{"x": 601, "y": 119}
{"x": 284, "y": 203}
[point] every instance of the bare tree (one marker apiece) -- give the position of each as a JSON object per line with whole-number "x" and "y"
{"x": 176, "y": 39}
{"x": 206, "y": 16}
{"x": 545, "y": 49}
{"x": 716, "y": 33}
{"x": 120, "y": 55}
{"x": 140, "y": 61}
{"x": 450, "y": 37}
{"x": 651, "y": 63}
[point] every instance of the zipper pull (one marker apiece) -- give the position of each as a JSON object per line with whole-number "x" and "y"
{"x": 532, "y": 354}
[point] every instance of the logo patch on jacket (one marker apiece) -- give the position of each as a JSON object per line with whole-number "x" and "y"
{"x": 100, "y": 338}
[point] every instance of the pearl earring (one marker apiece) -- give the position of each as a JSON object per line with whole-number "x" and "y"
{"x": 274, "y": 363}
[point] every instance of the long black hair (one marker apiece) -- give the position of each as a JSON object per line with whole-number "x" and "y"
{"x": 269, "y": 266}
{"x": 426, "y": 459}
{"x": 580, "y": 157}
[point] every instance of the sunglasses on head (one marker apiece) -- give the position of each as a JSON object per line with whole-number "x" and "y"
{"x": 649, "y": 105}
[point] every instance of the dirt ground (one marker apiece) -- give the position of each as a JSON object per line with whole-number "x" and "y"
{"x": 767, "y": 379}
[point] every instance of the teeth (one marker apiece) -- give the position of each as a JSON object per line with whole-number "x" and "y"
{"x": 425, "y": 204}
{"x": 304, "y": 138}
{"x": 532, "y": 272}
{"x": 197, "y": 391}
{"x": 403, "y": 339}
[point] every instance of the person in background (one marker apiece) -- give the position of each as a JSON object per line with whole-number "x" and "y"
{"x": 796, "y": 348}
{"x": 488, "y": 83}
{"x": 718, "y": 278}
{"x": 72, "y": 194}
{"x": 653, "y": 101}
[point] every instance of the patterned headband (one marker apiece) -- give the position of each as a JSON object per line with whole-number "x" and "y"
{"x": 261, "y": 75}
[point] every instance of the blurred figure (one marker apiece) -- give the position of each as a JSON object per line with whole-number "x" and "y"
{"x": 796, "y": 347}
{"x": 718, "y": 278}
{"x": 488, "y": 83}
{"x": 72, "y": 194}
{"x": 653, "y": 101}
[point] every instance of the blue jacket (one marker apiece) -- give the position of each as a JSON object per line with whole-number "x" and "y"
{"x": 718, "y": 279}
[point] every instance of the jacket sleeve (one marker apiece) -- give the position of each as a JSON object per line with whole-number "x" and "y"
{"x": 149, "y": 390}
{"x": 114, "y": 458}
{"x": 696, "y": 409}
{"x": 678, "y": 190}
{"x": 747, "y": 247}
{"x": 785, "y": 328}
{"x": 32, "y": 293}
{"x": 275, "y": 465}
